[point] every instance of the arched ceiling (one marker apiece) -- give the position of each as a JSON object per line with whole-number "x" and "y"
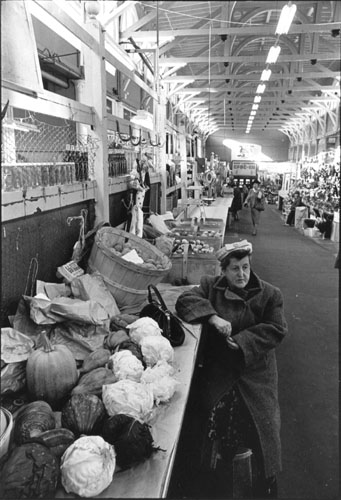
{"x": 223, "y": 47}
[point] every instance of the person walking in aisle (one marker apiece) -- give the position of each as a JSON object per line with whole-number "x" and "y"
{"x": 245, "y": 192}
{"x": 256, "y": 200}
{"x": 236, "y": 204}
{"x": 243, "y": 318}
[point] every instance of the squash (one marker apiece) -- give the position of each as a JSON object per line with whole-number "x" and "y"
{"x": 31, "y": 471}
{"x": 51, "y": 373}
{"x": 32, "y": 420}
{"x": 83, "y": 414}
{"x": 92, "y": 382}
{"x": 96, "y": 359}
{"x": 113, "y": 339}
{"x": 57, "y": 440}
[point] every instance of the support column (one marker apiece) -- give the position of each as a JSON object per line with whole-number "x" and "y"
{"x": 93, "y": 92}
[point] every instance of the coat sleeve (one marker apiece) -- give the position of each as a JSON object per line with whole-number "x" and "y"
{"x": 255, "y": 341}
{"x": 193, "y": 305}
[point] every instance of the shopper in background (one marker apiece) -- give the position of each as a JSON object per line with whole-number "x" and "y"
{"x": 237, "y": 203}
{"x": 245, "y": 192}
{"x": 255, "y": 199}
{"x": 297, "y": 202}
{"x": 244, "y": 322}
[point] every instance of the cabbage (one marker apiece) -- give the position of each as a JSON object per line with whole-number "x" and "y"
{"x": 126, "y": 366}
{"x": 143, "y": 327}
{"x": 155, "y": 349}
{"x": 160, "y": 380}
{"x": 128, "y": 397}
{"x": 132, "y": 439}
{"x": 87, "y": 466}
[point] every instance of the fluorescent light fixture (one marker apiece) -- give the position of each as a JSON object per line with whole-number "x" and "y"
{"x": 253, "y": 113}
{"x": 285, "y": 19}
{"x": 265, "y": 76}
{"x": 255, "y": 107}
{"x": 260, "y": 88}
{"x": 257, "y": 99}
{"x": 273, "y": 54}
{"x": 247, "y": 131}
{"x": 143, "y": 118}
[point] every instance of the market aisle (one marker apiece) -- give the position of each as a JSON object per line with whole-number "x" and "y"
{"x": 308, "y": 359}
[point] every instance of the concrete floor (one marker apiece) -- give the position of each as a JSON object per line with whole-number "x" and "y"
{"x": 308, "y": 361}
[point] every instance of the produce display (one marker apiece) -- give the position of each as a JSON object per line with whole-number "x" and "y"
{"x": 143, "y": 259}
{"x": 84, "y": 420}
{"x": 198, "y": 241}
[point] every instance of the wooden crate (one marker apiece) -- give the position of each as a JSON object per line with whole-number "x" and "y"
{"x": 190, "y": 268}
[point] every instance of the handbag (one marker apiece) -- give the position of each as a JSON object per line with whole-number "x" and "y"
{"x": 260, "y": 204}
{"x": 171, "y": 326}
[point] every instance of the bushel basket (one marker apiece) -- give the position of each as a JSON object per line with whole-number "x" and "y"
{"x": 106, "y": 257}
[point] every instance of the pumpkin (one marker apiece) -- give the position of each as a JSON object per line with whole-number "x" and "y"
{"x": 32, "y": 420}
{"x": 51, "y": 373}
{"x": 83, "y": 414}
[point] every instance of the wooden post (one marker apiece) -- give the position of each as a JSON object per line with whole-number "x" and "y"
{"x": 93, "y": 92}
{"x": 183, "y": 166}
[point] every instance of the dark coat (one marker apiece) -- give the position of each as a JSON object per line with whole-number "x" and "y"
{"x": 258, "y": 326}
{"x": 237, "y": 203}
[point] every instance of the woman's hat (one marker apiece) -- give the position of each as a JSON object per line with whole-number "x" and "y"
{"x": 232, "y": 247}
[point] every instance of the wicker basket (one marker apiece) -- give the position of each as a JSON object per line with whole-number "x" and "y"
{"x": 126, "y": 298}
{"x": 119, "y": 271}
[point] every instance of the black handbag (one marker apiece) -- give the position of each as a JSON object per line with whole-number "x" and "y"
{"x": 260, "y": 204}
{"x": 171, "y": 326}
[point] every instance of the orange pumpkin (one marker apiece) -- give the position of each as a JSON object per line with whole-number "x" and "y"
{"x": 51, "y": 373}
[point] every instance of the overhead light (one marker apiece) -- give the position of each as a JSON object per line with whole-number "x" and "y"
{"x": 253, "y": 113}
{"x": 257, "y": 99}
{"x": 265, "y": 76}
{"x": 143, "y": 118}
{"x": 273, "y": 54}
{"x": 260, "y": 88}
{"x": 255, "y": 106}
{"x": 285, "y": 19}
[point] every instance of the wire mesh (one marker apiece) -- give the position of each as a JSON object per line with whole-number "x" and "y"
{"x": 36, "y": 153}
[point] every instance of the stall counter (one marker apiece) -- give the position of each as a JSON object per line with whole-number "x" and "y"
{"x": 151, "y": 478}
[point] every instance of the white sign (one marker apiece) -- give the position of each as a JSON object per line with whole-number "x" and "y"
{"x": 245, "y": 152}
{"x": 244, "y": 168}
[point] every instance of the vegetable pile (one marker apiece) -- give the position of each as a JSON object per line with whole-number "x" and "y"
{"x": 105, "y": 405}
{"x": 126, "y": 248}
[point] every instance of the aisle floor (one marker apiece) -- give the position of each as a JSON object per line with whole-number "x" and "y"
{"x": 303, "y": 268}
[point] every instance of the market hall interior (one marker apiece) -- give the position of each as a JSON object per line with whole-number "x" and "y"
{"x": 308, "y": 363}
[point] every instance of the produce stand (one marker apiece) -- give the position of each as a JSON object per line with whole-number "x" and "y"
{"x": 151, "y": 478}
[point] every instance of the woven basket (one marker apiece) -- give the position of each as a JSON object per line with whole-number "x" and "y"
{"x": 119, "y": 271}
{"x": 126, "y": 298}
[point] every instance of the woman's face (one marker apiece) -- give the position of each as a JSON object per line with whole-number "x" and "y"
{"x": 238, "y": 272}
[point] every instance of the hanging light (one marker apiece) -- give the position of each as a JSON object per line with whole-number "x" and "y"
{"x": 273, "y": 54}
{"x": 255, "y": 107}
{"x": 260, "y": 88}
{"x": 265, "y": 76}
{"x": 253, "y": 113}
{"x": 257, "y": 99}
{"x": 285, "y": 19}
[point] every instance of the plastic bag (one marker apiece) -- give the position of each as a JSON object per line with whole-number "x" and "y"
{"x": 13, "y": 377}
{"x": 15, "y": 346}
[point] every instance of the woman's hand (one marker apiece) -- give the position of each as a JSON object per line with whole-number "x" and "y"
{"x": 224, "y": 327}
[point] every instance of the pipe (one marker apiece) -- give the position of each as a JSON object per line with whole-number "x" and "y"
{"x": 54, "y": 79}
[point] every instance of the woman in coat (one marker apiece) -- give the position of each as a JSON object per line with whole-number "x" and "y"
{"x": 255, "y": 195}
{"x": 245, "y": 322}
{"x": 237, "y": 203}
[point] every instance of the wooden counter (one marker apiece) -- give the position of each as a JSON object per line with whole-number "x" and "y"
{"x": 151, "y": 478}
